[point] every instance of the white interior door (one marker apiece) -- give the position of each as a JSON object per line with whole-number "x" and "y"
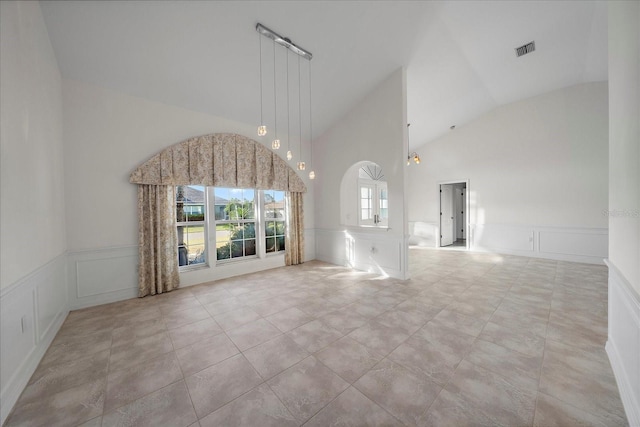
{"x": 446, "y": 215}
{"x": 459, "y": 212}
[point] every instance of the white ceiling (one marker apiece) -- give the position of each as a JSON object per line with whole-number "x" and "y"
{"x": 460, "y": 60}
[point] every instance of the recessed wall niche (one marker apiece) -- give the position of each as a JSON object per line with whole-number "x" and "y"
{"x": 364, "y": 199}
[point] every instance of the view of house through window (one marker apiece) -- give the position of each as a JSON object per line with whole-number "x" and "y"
{"x": 274, "y": 220}
{"x": 191, "y": 221}
{"x": 247, "y": 223}
{"x": 235, "y": 222}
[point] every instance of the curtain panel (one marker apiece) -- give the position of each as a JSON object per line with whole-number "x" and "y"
{"x": 221, "y": 160}
{"x": 158, "y": 240}
{"x": 294, "y": 238}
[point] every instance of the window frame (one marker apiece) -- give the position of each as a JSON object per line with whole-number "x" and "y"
{"x": 262, "y": 195}
{"x": 255, "y": 220}
{"x": 376, "y": 187}
{"x": 204, "y": 222}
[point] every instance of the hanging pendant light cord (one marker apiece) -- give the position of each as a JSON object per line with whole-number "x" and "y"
{"x": 288, "y": 118}
{"x": 275, "y": 95}
{"x": 310, "y": 122}
{"x": 300, "y": 107}
{"x": 261, "y": 100}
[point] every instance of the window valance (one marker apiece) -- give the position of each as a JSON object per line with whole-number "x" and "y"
{"x": 221, "y": 160}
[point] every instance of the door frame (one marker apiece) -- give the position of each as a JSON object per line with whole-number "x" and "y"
{"x": 467, "y": 216}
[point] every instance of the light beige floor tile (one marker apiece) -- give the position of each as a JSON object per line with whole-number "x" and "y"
{"x": 352, "y": 408}
{"x": 314, "y": 336}
{"x": 307, "y": 387}
{"x": 194, "y": 332}
{"x": 259, "y": 407}
{"x": 56, "y": 378}
{"x": 69, "y": 407}
{"x": 348, "y": 358}
{"x": 201, "y": 355}
{"x": 274, "y": 356}
{"x": 142, "y": 349}
{"x": 403, "y": 393}
{"x": 235, "y": 318}
{"x": 127, "y": 385}
{"x": 493, "y": 395}
{"x": 379, "y": 338}
{"x": 289, "y": 319}
{"x": 219, "y": 384}
{"x": 551, "y": 412}
{"x": 176, "y": 319}
{"x": 252, "y": 334}
{"x": 169, "y": 406}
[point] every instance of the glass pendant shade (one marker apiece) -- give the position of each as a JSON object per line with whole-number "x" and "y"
{"x": 275, "y": 144}
{"x": 289, "y": 155}
{"x": 262, "y": 130}
{"x": 416, "y": 159}
{"x": 301, "y": 166}
{"x": 312, "y": 175}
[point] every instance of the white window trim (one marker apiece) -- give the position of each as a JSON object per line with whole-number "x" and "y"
{"x": 376, "y": 186}
{"x": 205, "y": 224}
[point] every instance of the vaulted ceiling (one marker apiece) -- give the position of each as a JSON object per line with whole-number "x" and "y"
{"x": 459, "y": 56}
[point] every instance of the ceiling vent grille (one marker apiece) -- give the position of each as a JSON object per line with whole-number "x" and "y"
{"x": 524, "y": 49}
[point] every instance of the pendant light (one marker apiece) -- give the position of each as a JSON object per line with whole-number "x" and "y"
{"x": 411, "y": 156}
{"x": 262, "y": 129}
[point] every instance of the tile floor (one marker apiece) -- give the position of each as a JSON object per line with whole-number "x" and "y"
{"x": 471, "y": 339}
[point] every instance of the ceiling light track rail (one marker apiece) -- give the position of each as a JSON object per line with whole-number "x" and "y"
{"x": 283, "y": 41}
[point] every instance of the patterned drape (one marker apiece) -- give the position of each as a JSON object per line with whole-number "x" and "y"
{"x": 221, "y": 160}
{"x": 294, "y": 239}
{"x": 158, "y": 241}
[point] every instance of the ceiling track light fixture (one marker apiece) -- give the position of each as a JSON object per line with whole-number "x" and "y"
{"x": 413, "y": 155}
{"x": 262, "y": 130}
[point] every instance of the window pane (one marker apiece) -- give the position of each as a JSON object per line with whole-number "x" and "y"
{"x": 191, "y": 245}
{"x": 237, "y": 249}
{"x": 365, "y": 192}
{"x": 365, "y": 214}
{"x": 280, "y": 243}
{"x": 270, "y": 244}
{"x": 249, "y": 230}
{"x": 250, "y": 247}
{"x": 190, "y": 203}
{"x": 270, "y": 229}
{"x": 274, "y": 215}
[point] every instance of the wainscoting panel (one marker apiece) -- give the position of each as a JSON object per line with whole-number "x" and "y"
{"x": 31, "y": 313}
{"x": 585, "y": 242}
{"x": 623, "y": 344}
{"x": 373, "y": 251}
{"x": 102, "y": 276}
{"x": 423, "y": 233}
{"x": 588, "y": 245}
{"x": 502, "y": 237}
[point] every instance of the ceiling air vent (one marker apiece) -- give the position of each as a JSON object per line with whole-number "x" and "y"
{"x": 524, "y": 49}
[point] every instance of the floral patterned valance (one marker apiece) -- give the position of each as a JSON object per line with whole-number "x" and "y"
{"x": 221, "y": 160}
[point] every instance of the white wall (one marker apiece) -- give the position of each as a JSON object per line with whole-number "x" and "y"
{"x": 33, "y": 277}
{"x": 533, "y": 166}
{"x": 623, "y": 345}
{"x": 107, "y": 135}
{"x": 374, "y": 130}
